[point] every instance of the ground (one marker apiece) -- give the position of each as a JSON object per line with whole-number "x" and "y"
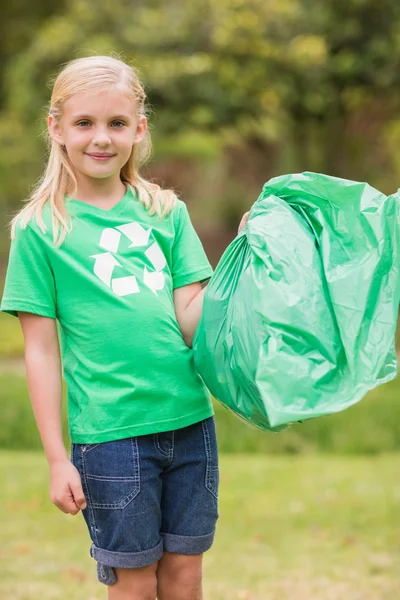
{"x": 291, "y": 528}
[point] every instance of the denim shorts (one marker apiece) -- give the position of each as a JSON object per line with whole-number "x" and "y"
{"x": 148, "y": 494}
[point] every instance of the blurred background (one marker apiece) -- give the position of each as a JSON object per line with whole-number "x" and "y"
{"x": 240, "y": 91}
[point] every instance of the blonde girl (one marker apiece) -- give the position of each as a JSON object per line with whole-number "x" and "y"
{"x": 115, "y": 261}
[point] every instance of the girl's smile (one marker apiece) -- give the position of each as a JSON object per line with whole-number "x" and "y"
{"x": 100, "y": 156}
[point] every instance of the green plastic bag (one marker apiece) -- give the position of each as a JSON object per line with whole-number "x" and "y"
{"x": 300, "y": 315}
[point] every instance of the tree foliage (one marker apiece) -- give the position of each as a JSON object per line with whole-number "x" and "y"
{"x": 260, "y": 86}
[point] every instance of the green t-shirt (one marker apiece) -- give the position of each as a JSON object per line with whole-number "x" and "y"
{"x": 110, "y": 286}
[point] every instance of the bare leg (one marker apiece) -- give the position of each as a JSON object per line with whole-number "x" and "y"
{"x": 179, "y": 577}
{"x": 134, "y": 584}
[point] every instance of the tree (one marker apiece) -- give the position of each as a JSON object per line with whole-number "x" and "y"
{"x": 263, "y": 86}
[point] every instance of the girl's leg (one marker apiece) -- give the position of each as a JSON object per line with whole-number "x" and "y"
{"x": 189, "y": 506}
{"x": 179, "y": 577}
{"x": 134, "y": 584}
{"x": 122, "y": 485}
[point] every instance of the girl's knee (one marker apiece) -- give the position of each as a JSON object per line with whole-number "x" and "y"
{"x": 184, "y": 571}
{"x": 134, "y": 584}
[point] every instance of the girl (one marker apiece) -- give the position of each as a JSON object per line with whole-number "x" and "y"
{"x": 115, "y": 260}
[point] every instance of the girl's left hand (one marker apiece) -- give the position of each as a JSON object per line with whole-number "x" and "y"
{"x": 244, "y": 220}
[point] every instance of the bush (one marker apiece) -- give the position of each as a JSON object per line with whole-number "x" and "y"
{"x": 370, "y": 427}
{"x": 11, "y": 339}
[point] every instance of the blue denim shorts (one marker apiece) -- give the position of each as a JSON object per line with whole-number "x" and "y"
{"x": 148, "y": 494}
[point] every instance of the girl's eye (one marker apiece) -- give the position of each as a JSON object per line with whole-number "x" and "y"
{"x": 118, "y": 124}
{"x": 83, "y": 123}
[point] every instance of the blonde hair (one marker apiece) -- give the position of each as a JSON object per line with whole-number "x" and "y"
{"x": 77, "y": 76}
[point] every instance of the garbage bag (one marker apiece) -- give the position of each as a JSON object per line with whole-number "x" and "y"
{"x": 299, "y": 317}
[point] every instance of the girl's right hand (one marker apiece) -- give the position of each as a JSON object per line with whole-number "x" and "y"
{"x": 244, "y": 220}
{"x": 66, "y": 488}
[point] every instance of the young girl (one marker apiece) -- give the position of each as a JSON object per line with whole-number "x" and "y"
{"x": 115, "y": 260}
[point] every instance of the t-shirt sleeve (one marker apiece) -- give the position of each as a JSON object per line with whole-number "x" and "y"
{"x": 189, "y": 261}
{"x": 29, "y": 285}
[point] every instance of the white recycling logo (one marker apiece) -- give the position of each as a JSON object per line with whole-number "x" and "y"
{"x": 105, "y": 262}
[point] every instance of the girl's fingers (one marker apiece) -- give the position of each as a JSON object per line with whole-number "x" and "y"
{"x": 244, "y": 220}
{"x": 77, "y": 495}
{"x": 71, "y": 500}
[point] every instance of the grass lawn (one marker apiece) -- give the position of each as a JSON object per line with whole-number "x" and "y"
{"x": 295, "y": 528}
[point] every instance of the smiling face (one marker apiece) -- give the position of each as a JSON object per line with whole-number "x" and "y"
{"x": 98, "y": 130}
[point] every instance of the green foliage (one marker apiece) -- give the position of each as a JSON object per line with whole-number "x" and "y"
{"x": 18, "y": 23}
{"x": 370, "y": 427}
{"x": 11, "y": 339}
{"x": 18, "y": 429}
{"x": 240, "y": 90}
{"x": 287, "y": 85}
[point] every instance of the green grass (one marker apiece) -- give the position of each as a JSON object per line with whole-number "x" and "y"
{"x": 295, "y": 528}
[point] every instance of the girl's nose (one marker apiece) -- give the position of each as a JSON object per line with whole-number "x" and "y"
{"x": 101, "y": 138}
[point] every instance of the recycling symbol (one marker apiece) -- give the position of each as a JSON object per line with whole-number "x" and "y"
{"x": 105, "y": 262}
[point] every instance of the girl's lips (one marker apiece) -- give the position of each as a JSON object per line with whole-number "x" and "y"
{"x": 100, "y": 157}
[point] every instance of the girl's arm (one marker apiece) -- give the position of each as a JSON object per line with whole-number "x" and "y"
{"x": 188, "y": 301}
{"x": 43, "y": 370}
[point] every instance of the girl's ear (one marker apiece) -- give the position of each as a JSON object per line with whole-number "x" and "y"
{"x": 55, "y": 130}
{"x": 141, "y": 129}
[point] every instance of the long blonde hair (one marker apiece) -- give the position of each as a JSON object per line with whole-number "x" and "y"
{"x": 81, "y": 75}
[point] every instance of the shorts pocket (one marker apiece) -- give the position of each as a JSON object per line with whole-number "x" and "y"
{"x": 111, "y": 471}
{"x": 210, "y": 444}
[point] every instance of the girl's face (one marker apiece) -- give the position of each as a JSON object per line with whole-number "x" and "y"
{"x": 98, "y": 130}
